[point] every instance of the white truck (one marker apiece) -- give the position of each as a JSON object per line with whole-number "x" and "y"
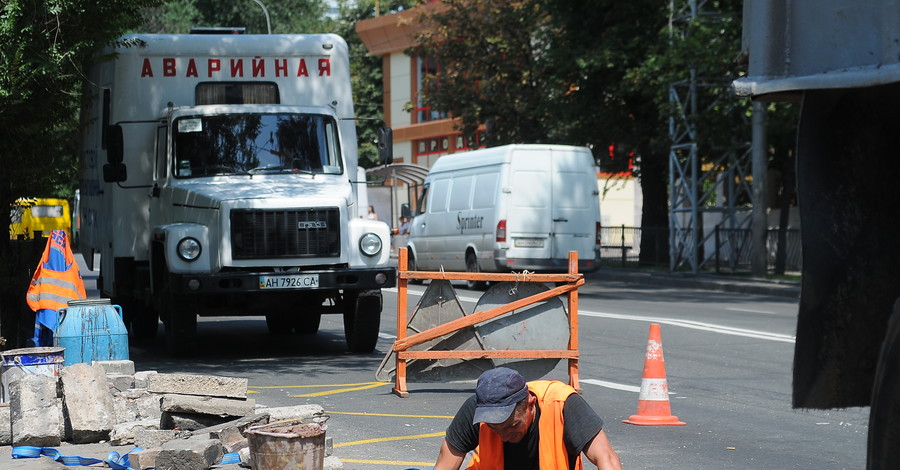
{"x": 514, "y": 207}
{"x": 220, "y": 178}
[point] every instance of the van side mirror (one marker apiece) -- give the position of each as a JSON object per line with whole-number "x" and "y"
{"x": 115, "y": 144}
{"x": 385, "y": 145}
{"x": 404, "y": 210}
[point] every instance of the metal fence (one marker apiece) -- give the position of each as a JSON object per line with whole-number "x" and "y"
{"x": 729, "y": 250}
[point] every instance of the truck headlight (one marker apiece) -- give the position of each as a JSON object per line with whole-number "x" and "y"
{"x": 188, "y": 249}
{"x": 370, "y": 244}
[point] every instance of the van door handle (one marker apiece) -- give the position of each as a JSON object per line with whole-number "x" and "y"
{"x": 560, "y": 220}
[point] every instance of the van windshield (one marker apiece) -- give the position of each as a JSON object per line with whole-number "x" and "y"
{"x": 231, "y": 144}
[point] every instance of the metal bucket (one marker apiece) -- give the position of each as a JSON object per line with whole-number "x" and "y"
{"x": 18, "y": 362}
{"x": 287, "y": 445}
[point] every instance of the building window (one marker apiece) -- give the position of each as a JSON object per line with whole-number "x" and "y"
{"x": 426, "y": 66}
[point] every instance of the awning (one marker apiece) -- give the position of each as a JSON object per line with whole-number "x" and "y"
{"x": 408, "y": 173}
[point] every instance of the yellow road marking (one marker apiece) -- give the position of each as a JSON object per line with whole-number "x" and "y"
{"x": 341, "y": 390}
{"x": 390, "y": 415}
{"x": 324, "y": 385}
{"x": 388, "y": 439}
{"x": 388, "y": 462}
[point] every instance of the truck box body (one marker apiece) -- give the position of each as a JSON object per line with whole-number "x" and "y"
{"x": 514, "y": 207}
{"x": 245, "y": 144}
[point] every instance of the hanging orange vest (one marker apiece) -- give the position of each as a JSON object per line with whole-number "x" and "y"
{"x": 53, "y": 286}
{"x": 551, "y": 396}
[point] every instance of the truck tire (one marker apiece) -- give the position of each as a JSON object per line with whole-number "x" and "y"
{"x": 472, "y": 267}
{"x": 181, "y": 321}
{"x": 884, "y": 418}
{"x": 362, "y": 320}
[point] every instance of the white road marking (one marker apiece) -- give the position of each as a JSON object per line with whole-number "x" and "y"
{"x": 695, "y": 325}
{"x": 613, "y": 385}
{"x": 750, "y": 311}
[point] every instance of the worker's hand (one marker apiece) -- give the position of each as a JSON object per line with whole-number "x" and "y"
{"x": 600, "y": 452}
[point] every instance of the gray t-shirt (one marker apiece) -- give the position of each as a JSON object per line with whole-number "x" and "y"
{"x": 580, "y": 425}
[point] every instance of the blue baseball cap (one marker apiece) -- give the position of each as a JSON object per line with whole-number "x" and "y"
{"x": 497, "y": 392}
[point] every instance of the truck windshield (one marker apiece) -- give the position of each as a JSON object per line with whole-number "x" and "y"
{"x": 255, "y": 143}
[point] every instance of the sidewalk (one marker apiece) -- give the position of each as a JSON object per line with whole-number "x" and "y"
{"x": 712, "y": 282}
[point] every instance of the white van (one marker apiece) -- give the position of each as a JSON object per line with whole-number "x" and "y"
{"x": 509, "y": 208}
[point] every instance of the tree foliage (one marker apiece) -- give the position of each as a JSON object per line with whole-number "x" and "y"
{"x": 285, "y": 16}
{"x": 43, "y": 44}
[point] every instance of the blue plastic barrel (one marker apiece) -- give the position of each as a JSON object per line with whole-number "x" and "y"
{"x": 91, "y": 330}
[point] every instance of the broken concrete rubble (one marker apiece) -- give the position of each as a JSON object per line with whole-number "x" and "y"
{"x": 168, "y": 416}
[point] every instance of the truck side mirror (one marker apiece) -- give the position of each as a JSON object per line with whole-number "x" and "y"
{"x": 114, "y": 172}
{"x": 404, "y": 210}
{"x": 385, "y": 145}
{"x": 115, "y": 144}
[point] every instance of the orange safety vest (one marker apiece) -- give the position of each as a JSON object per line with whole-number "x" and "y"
{"x": 53, "y": 286}
{"x": 552, "y": 454}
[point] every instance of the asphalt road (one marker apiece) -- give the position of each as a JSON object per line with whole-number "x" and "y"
{"x": 728, "y": 362}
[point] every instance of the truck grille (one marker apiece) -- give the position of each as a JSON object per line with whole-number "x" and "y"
{"x": 292, "y": 233}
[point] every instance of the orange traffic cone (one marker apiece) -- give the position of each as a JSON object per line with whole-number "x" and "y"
{"x": 653, "y": 401}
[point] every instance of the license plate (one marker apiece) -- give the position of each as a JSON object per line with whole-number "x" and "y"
{"x": 530, "y": 242}
{"x": 289, "y": 281}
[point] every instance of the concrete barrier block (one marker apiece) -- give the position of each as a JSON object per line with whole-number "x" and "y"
{"x": 185, "y": 454}
{"x": 120, "y": 382}
{"x": 202, "y": 385}
{"x": 123, "y": 433}
{"x": 89, "y": 409}
{"x": 122, "y": 367}
{"x": 35, "y": 412}
{"x": 148, "y": 438}
{"x": 142, "y": 378}
{"x": 144, "y": 459}
{"x": 207, "y": 405}
{"x": 281, "y": 413}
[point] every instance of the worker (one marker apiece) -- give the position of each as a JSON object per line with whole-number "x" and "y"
{"x": 538, "y": 425}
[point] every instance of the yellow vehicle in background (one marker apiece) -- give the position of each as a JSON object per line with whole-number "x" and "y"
{"x": 28, "y": 215}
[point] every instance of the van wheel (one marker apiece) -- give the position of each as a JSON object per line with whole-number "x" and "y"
{"x": 472, "y": 267}
{"x": 411, "y": 266}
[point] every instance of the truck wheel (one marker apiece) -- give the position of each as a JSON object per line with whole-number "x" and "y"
{"x": 472, "y": 267}
{"x": 884, "y": 417}
{"x": 307, "y": 324}
{"x": 142, "y": 321}
{"x": 411, "y": 265}
{"x": 181, "y": 322}
{"x": 362, "y": 320}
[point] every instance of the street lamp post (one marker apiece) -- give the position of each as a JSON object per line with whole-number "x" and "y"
{"x": 266, "y": 12}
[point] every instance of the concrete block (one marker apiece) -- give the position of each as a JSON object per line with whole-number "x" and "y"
{"x": 122, "y": 367}
{"x": 136, "y": 404}
{"x": 190, "y": 421}
{"x": 244, "y": 455}
{"x": 142, "y": 378}
{"x": 239, "y": 424}
{"x": 149, "y": 438}
{"x": 35, "y": 412}
{"x": 123, "y": 433}
{"x": 5, "y": 425}
{"x": 144, "y": 459}
{"x": 89, "y": 410}
{"x": 207, "y": 405}
{"x": 120, "y": 382}
{"x": 281, "y": 413}
{"x": 189, "y": 454}
{"x": 203, "y": 385}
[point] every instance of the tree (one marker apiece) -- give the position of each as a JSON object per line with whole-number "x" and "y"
{"x": 284, "y": 16}
{"x": 43, "y": 44}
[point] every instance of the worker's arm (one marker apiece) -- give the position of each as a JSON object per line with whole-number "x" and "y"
{"x": 449, "y": 458}
{"x": 600, "y": 452}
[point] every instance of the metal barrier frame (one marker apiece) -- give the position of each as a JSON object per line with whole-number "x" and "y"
{"x": 573, "y": 280}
